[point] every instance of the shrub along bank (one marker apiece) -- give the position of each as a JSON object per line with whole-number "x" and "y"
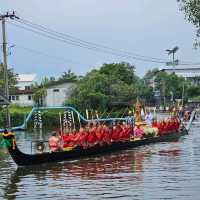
{"x": 50, "y": 119}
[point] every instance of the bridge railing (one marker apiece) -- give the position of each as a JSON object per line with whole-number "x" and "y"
{"x": 28, "y": 118}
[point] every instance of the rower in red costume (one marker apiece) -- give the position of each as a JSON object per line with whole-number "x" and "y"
{"x": 168, "y": 126}
{"x": 161, "y": 127}
{"x": 83, "y": 136}
{"x": 117, "y": 133}
{"x": 92, "y": 139}
{"x": 154, "y": 124}
{"x": 177, "y": 124}
{"x": 99, "y": 133}
{"x": 123, "y": 131}
{"x": 120, "y": 132}
{"x": 106, "y": 135}
{"x": 71, "y": 141}
{"x": 76, "y": 138}
{"x": 65, "y": 136}
{"x": 127, "y": 131}
{"x": 114, "y": 135}
{"x": 173, "y": 125}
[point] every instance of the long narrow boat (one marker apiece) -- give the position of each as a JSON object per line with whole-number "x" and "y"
{"x": 22, "y": 159}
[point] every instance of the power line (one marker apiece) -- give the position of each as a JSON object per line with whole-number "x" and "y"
{"x": 66, "y": 38}
{"x": 75, "y": 39}
{"x": 89, "y": 45}
{"x": 47, "y": 34}
{"x": 45, "y": 54}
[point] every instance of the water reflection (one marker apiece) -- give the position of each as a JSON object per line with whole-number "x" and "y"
{"x": 159, "y": 171}
{"x": 126, "y": 167}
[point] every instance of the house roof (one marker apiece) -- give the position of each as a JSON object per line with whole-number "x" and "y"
{"x": 188, "y": 71}
{"x": 26, "y": 77}
{"x": 60, "y": 82}
{"x": 18, "y": 92}
{"x": 181, "y": 67}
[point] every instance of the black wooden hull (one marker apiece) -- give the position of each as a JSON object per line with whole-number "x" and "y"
{"x": 22, "y": 159}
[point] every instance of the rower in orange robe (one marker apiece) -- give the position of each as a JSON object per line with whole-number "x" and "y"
{"x": 76, "y": 138}
{"x": 161, "y": 127}
{"x": 99, "y": 132}
{"x": 70, "y": 142}
{"x": 154, "y": 124}
{"x": 116, "y": 133}
{"x": 173, "y": 125}
{"x": 168, "y": 126}
{"x": 123, "y": 131}
{"x": 127, "y": 132}
{"x": 106, "y": 135}
{"x": 120, "y": 132}
{"x": 92, "y": 136}
{"x": 83, "y": 137}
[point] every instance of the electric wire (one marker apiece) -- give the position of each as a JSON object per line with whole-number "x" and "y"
{"x": 66, "y": 38}
{"x": 75, "y": 39}
{"x": 45, "y": 54}
{"x": 48, "y": 35}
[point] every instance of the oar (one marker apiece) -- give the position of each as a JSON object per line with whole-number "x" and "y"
{"x": 97, "y": 115}
{"x": 87, "y": 114}
{"x": 79, "y": 120}
{"x": 73, "y": 121}
{"x": 60, "y": 122}
{"x": 92, "y": 114}
{"x": 103, "y": 114}
{"x": 191, "y": 119}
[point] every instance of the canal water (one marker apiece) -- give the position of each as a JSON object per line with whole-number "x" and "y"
{"x": 158, "y": 171}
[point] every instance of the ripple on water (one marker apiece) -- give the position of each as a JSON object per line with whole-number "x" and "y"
{"x": 159, "y": 171}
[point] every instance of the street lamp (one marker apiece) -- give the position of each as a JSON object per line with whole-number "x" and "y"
{"x": 173, "y": 51}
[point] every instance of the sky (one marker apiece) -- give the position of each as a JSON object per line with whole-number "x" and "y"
{"x": 141, "y": 27}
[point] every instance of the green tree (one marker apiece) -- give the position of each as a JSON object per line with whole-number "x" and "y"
{"x": 69, "y": 76}
{"x": 193, "y": 91}
{"x": 39, "y": 96}
{"x": 122, "y": 71}
{"x": 191, "y": 9}
{"x": 12, "y": 77}
{"x": 112, "y": 84}
{"x": 150, "y": 75}
{"x": 170, "y": 85}
{"x": 45, "y": 81}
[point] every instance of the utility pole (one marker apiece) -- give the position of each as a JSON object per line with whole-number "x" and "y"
{"x": 6, "y": 89}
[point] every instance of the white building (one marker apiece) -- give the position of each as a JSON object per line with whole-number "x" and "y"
{"x": 25, "y": 81}
{"x": 187, "y": 71}
{"x": 58, "y": 93}
{"x": 23, "y": 95}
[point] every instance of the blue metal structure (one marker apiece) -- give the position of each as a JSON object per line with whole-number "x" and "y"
{"x": 24, "y": 125}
